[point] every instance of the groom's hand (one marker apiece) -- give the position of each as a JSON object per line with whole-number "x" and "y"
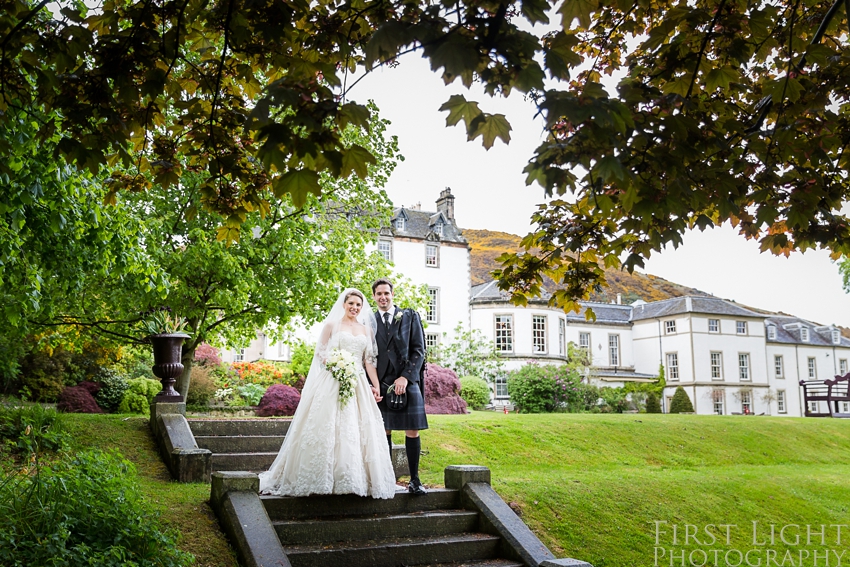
{"x": 400, "y": 385}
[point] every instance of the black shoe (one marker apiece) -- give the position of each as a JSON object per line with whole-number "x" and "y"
{"x": 415, "y": 487}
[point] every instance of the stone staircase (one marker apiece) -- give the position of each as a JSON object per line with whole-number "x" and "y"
{"x": 240, "y": 444}
{"x": 362, "y": 532}
{"x": 252, "y": 444}
{"x": 465, "y": 524}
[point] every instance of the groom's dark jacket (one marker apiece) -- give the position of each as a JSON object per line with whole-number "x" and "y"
{"x": 401, "y": 348}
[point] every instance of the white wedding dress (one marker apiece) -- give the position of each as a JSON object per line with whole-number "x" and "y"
{"x": 334, "y": 450}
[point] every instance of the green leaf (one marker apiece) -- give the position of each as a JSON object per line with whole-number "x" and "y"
{"x": 721, "y": 77}
{"x": 386, "y": 41}
{"x": 577, "y": 9}
{"x": 353, "y": 113}
{"x": 490, "y": 127}
{"x": 357, "y": 159}
{"x": 460, "y": 109}
{"x": 298, "y": 183}
{"x": 457, "y": 56}
{"x": 610, "y": 169}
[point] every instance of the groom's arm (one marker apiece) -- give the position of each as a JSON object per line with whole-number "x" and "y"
{"x": 416, "y": 348}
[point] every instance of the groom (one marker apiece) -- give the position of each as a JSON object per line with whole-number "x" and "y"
{"x": 401, "y": 365}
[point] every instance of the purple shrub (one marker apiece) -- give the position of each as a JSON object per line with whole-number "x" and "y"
{"x": 77, "y": 399}
{"x": 91, "y": 387}
{"x": 441, "y": 391}
{"x": 207, "y": 355}
{"x": 279, "y": 399}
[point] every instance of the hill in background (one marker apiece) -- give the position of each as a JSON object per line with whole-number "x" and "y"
{"x": 487, "y": 245}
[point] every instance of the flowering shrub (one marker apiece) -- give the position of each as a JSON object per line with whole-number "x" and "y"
{"x": 442, "y": 391}
{"x": 207, "y": 355}
{"x": 263, "y": 373}
{"x": 536, "y": 388}
{"x": 76, "y": 399}
{"x": 279, "y": 399}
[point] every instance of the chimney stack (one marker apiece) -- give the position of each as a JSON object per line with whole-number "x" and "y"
{"x": 446, "y": 204}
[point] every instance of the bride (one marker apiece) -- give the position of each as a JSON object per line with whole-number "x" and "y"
{"x": 336, "y": 445}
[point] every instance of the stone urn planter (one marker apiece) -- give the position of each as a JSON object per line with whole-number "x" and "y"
{"x": 168, "y": 365}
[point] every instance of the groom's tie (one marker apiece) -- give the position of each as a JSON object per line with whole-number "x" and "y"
{"x": 387, "y": 319}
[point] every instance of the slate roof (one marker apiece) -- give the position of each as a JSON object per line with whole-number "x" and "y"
{"x": 420, "y": 224}
{"x": 789, "y": 331}
{"x": 679, "y": 305}
{"x": 605, "y": 312}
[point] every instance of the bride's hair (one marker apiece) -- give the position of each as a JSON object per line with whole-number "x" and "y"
{"x": 354, "y": 292}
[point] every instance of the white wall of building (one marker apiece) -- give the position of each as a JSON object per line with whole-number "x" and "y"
{"x": 449, "y": 278}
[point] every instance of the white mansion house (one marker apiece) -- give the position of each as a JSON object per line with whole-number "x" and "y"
{"x": 729, "y": 359}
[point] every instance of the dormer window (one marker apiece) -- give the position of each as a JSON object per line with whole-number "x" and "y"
{"x": 804, "y": 334}
{"x": 438, "y": 229}
{"x": 399, "y": 223}
{"x": 771, "y": 332}
{"x": 836, "y": 337}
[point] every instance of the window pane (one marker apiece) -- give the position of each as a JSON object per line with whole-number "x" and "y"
{"x": 614, "y": 349}
{"x": 538, "y": 333}
{"x": 672, "y": 365}
{"x": 430, "y": 255}
{"x": 386, "y": 249}
{"x": 780, "y": 401}
{"x": 432, "y": 316}
{"x": 713, "y": 325}
{"x": 716, "y": 366}
{"x": 504, "y": 333}
{"x": 777, "y": 363}
{"x": 812, "y": 368}
{"x": 744, "y": 366}
{"x": 584, "y": 340}
{"x": 741, "y": 327}
{"x": 501, "y": 387}
{"x": 562, "y": 337}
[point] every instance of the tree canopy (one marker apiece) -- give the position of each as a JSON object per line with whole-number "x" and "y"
{"x": 721, "y": 110}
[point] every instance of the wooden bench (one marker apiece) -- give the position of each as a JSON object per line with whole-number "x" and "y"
{"x": 832, "y": 392}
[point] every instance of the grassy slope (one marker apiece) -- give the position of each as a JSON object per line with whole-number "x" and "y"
{"x": 592, "y": 486}
{"x": 184, "y": 506}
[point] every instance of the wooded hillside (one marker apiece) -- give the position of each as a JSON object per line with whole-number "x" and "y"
{"x": 487, "y": 245}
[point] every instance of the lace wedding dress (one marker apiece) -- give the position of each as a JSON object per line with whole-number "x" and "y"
{"x": 334, "y": 450}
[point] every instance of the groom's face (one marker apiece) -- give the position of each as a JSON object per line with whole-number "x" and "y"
{"x": 384, "y": 297}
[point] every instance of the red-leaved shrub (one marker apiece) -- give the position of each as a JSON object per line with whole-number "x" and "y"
{"x": 207, "y": 355}
{"x": 279, "y": 399}
{"x": 91, "y": 387}
{"x": 441, "y": 391}
{"x": 77, "y": 399}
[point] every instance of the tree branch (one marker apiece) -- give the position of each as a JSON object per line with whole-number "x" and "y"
{"x": 703, "y": 46}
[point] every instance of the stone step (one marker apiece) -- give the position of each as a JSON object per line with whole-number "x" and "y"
{"x": 239, "y": 427}
{"x": 477, "y": 563}
{"x": 240, "y": 444}
{"x": 281, "y": 508}
{"x": 430, "y": 523}
{"x": 254, "y": 462}
{"x": 391, "y": 551}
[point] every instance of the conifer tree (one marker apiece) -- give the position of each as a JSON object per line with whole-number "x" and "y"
{"x": 681, "y": 402}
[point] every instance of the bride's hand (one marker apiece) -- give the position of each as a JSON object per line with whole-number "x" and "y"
{"x": 377, "y": 394}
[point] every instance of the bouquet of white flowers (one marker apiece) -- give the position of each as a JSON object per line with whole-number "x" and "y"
{"x": 342, "y": 365}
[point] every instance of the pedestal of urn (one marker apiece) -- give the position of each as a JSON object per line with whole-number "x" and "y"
{"x": 168, "y": 365}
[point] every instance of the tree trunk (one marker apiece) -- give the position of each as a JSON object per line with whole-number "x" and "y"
{"x": 188, "y": 359}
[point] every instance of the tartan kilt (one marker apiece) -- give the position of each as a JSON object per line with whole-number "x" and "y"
{"x": 412, "y": 417}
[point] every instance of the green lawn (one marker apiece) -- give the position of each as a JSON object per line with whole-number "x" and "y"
{"x": 591, "y": 486}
